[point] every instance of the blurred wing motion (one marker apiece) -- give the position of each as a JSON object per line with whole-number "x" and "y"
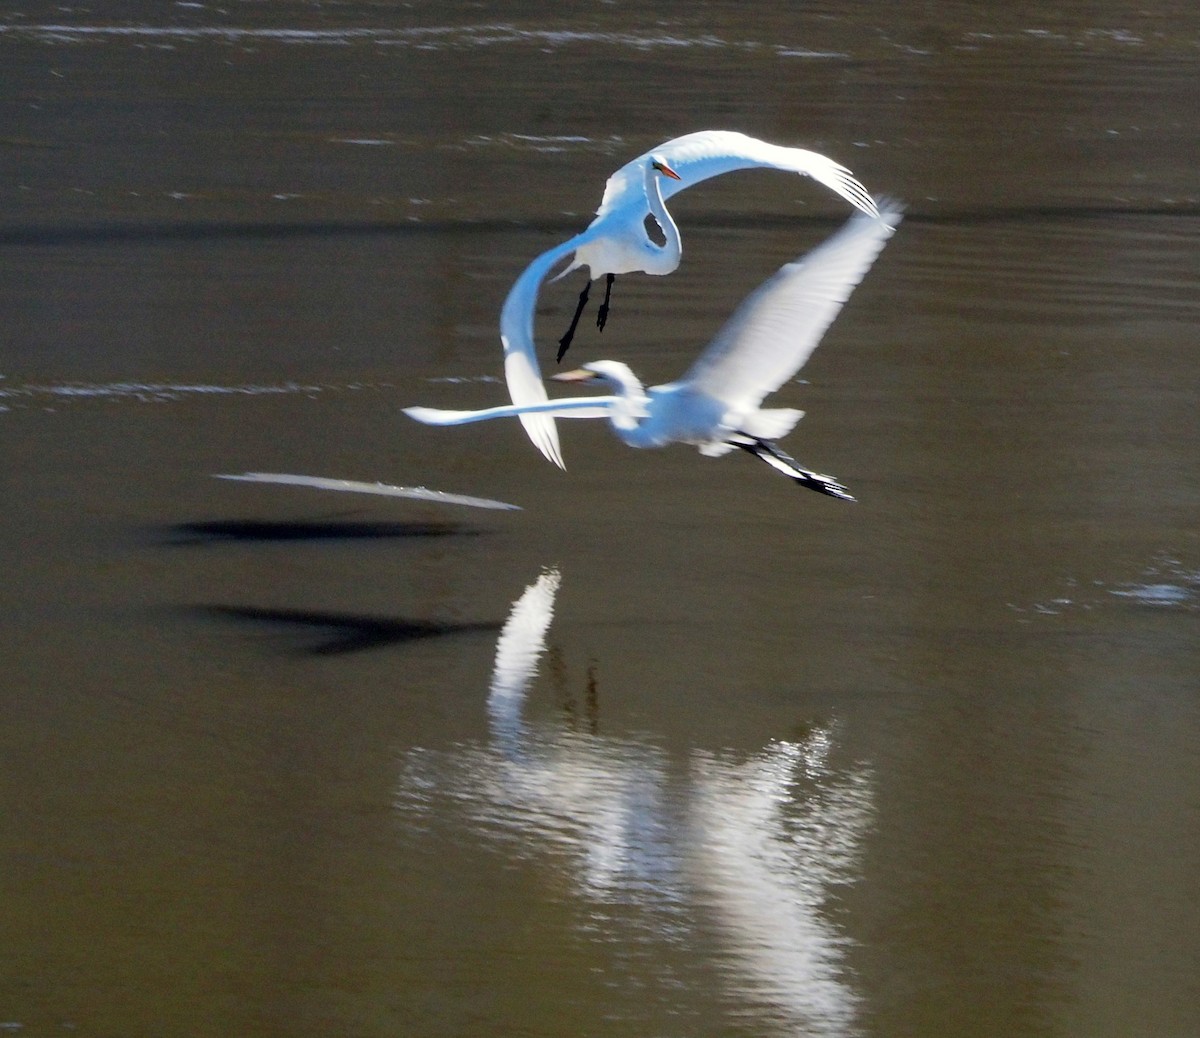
{"x": 380, "y": 489}
{"x": 776, "y": 328}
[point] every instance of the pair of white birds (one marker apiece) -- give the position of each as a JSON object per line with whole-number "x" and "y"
{"x": 715, "y": 405}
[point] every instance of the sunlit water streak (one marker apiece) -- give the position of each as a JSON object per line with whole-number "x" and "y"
{"x": 548, "y": 145}
{"x": 1166, "y": 584}
{"x": 755, "y": 845}
{"x": 49, "y": 396}
{"x": 984, "y": 34}
{"x": 423, "y": 37}
{"x": 53, "y": 394}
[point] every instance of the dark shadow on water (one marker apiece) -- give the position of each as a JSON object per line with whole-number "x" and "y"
{"x": 332, "y": 633}
{"x": 206, "y": 532}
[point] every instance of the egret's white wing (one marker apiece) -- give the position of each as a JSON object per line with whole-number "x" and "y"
{"x": 709, "y": 153}
{"x": 521, "y": 369}
{"x": 565, "y": 407}
{"x": 777, "y": 327}
{"x": 695, "y": 157}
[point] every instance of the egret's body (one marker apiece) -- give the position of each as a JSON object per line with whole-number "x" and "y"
{"x": 617, "y": 242}
{"x": 716, "y": 405}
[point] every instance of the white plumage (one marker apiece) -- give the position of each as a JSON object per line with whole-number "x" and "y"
{"x": 617, "y": 242}
{"x": 716, "y": 404}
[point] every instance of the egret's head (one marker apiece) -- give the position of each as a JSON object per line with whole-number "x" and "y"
{"x": 660, "y": 164}
{"x": 613, "y": 372}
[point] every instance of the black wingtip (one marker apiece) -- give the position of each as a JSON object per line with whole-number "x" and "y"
{"x": 827, "y": 487}
{"x": 770, "y": 453}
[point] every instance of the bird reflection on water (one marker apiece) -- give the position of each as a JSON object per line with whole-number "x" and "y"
{"x": 752, "y": 846}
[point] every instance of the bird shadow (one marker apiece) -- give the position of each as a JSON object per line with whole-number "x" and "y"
{"x": 332, "y": 633}
{"x": 264, "y": 530}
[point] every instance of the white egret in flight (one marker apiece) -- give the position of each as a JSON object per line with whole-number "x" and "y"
{"x": 716, "y": 404}
{"x": 617, "y": 242}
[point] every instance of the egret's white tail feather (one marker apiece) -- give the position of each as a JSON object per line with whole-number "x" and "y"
{"x": 772, "y": 423}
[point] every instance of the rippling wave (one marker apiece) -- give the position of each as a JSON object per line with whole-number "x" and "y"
{"x": 1097, "y": 265}
{"x": 551, "y": 144}
{"x": 1166, "y": 584}
{"x": 423, "y": 37}
{"x": 981, "y": 34}
{"x": 142, "y": 392}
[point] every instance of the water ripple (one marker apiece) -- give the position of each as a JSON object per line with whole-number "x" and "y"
{"x": 49, "y": 394}
{"x": 967, "y": 39}
{"x": 551, "y": 144}
{"x": 421, "y": 38}
{"x": 1166, "y": 584}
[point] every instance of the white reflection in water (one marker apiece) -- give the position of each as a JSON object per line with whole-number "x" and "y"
{"x": 1165, "y": 584}
{"x": 776, "y": 836}
{"x": 518, "y": 649}
{"x": 753, "y": 849}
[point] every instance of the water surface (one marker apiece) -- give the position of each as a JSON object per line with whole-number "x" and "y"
{"x": 769, "y": 764}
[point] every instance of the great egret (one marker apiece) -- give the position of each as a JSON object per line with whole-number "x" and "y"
{"x": 617, "y": 242}
{"x": 715, "y": 405}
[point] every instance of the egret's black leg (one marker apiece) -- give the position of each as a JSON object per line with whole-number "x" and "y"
{"x": 602, "y": 313}
{"x": 564, "y": 343}
{"x": 770, "y": 453}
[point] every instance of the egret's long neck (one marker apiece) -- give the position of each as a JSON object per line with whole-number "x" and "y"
{"x": 630, "y": 406}
{"x": 666, "y": 255}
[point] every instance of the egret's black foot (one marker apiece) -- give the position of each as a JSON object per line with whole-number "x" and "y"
{"x": 602, "y": 313}
{"x": 824, "y": 485}
{"x": 564, "y": 343}
{"x": 770, "y": 453}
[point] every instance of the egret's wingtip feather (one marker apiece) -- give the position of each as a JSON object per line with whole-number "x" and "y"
{"x": 426, "y": 415}
{"x": 544, "y": 435}
{"x": 553, "y": 455}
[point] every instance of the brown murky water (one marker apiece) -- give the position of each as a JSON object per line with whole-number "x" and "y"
{"x": 924, "y": 765}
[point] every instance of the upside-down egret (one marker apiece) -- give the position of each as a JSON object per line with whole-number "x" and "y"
{"x": 617, "y": 242}
{"x": 715, "y": 405}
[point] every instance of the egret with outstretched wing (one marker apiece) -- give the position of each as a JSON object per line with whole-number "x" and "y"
{"x": 617, "y": 242}
{"x": 716, "y": 404}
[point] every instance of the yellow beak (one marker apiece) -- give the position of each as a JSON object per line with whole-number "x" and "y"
{"x": 578, "y": 375}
